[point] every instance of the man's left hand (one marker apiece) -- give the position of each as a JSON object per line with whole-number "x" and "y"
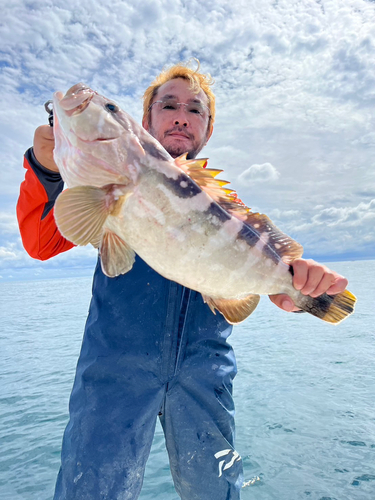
{"x": 313, "y": 279}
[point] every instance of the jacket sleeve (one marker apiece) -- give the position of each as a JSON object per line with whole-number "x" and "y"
{"x": 40, "y": 235}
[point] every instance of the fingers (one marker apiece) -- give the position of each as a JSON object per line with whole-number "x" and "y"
{"x": 284, "y": 302}
{"x": 44, "y": 143}
{"x": 44, "y": 132}
{"x": 314, "y": 279}
{"x": 338, "y": 286}
{"x": 44, "y": 137}
{"x": 311, "y": 278}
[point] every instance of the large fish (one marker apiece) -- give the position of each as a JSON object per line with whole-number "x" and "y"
{"x": 127, "y": 195}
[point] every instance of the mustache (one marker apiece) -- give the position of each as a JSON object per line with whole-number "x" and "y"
{"x": 180, "y": 130}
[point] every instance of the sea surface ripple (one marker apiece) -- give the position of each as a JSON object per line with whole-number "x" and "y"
{"x": 304, "y": 395}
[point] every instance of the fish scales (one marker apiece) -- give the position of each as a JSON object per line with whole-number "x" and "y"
{"x": 218, "y": 243}
{"x": 127, "y": 195}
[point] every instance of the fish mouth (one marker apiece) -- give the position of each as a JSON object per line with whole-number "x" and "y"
{"x": 98, "y": 139}
{"x": 76, "y": 99}
{"x": 78, "y": 88}
{"x": 80, "y": 108}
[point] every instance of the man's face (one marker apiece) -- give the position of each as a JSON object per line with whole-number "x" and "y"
{"x": 180, "y": 130}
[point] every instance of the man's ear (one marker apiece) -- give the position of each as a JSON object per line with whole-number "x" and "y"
{"x": 145, "y": 123}
{"x": 209, "y": 133}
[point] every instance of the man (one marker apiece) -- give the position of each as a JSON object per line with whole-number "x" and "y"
{"x": 151, "y": 347}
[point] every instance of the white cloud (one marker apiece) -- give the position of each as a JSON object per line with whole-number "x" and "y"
{"x": 333, "y": 230}
{"x": 6, "y": 254}
{"x": 347, "y": 216}
{"x": 258, "y": 173}
{"x": 8, "y": 224}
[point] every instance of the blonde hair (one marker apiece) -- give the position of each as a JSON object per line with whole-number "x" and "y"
{"x": 198, "y": 81}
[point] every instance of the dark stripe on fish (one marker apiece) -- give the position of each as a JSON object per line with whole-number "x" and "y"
{"x": 215, "y": 210}
{"x": 183, "y": 186}
{"x": 154, "y": 151}
{"x": 271, "y": 253}
{"x": 251, "y": 236}
{"x": 319, "y": 306}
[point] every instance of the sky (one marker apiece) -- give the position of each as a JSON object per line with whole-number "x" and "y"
{"x": 295, "y": 91}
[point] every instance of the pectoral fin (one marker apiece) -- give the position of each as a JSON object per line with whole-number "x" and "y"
{"x": 234, "y": 310}
{"x": 80, "y": 213}
{"x": 116, "y": 255}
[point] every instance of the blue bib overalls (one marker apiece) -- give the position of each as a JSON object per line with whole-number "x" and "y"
{"x": 151, "y": 347}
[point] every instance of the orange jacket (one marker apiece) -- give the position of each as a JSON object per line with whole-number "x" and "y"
{"x": 40, "y": 235}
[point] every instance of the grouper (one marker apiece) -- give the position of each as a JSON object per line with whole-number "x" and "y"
{"x": 126, "y": 195}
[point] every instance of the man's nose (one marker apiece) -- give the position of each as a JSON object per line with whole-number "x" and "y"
{"x": 181, "y": 117}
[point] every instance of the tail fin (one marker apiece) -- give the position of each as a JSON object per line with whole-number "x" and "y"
{"x": 330, "y": 308}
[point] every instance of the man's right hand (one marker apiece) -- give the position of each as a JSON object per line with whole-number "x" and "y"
{"x": 44, "y": 143}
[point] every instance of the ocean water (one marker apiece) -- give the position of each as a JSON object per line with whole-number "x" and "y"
{"x": 304, "y": 393}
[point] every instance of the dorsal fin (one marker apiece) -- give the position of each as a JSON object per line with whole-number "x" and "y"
{"x": 188, "y": 165}
{"x": 206, "y": 179}
{"x": 283, "y": 245}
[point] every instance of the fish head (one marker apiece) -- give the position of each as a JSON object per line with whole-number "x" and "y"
{"x": 84, "y": 115}
{"x": 94, "y": 139}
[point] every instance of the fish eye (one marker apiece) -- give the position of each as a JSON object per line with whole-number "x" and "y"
{"x": 111, "y": 107}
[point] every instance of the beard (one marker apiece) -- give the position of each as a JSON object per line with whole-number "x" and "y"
{"x": 177, "y": 149}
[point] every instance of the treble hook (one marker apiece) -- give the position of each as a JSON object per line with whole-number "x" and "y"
{"x": 49, "y": 111}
